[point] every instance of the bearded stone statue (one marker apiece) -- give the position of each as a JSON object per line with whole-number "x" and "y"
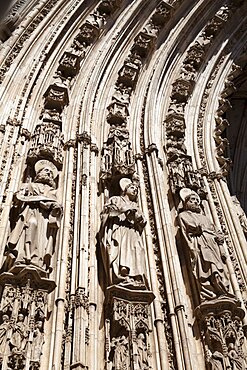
{"x": 122, "y": 248}
{"x": 35, "y": 218}
{"x": 205, "y": 246}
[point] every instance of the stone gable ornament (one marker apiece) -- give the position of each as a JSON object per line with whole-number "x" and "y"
{"x": 205, "y": 247}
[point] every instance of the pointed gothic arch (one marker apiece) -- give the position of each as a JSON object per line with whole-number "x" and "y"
{"x": 105, "y": 90}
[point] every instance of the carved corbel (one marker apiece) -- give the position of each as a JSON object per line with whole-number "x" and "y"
{"x": 56, "y": 97}
{"x": 225, "y": 165}
{"x": 84, "y": 138}
{"x": 128, "y": 74}
{"x": 152, "y": 148}
{"x": 181, "y": 90}
{"x": 70, "y": 144}
{"x": 108, "y": 6}
{"x": 69, "y": 64}
{"x": 236, "y": 70}
{"x": 221, "y": 125}
{"x": 224, "y": 105}
{"x": 88, "y": 33}
{"x": 118, "y": 113}
{"x": 25, "y": 133}
{"x": 162, "y": 14}
{"x": 228, "y": 90}
{"x": 221, "y": 147}
{"x": 143, "y": 44}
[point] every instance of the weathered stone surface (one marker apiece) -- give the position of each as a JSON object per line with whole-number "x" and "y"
{"x": 148, "y": 92}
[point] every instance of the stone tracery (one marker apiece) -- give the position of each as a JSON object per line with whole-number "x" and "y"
{"x": 133, "y": 339}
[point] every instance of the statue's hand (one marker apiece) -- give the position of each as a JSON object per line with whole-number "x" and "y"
{"x": 130, "y": 214}
{"x": 127, "y": 209}
{"x": 45, "y": 205}
{"x": 198, "y": 230}
{"x": 193, "y": 253}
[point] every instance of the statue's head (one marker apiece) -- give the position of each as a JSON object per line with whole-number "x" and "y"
{"x": 191, "y": 200}
{"x": 141, "y": 336}
{"x": 128, "y": 188}
{"x": 20, "y": 317}
{"x": 39, "y": 324}
{"x": 5, "y": 318}
{"x": 46, "y": 172}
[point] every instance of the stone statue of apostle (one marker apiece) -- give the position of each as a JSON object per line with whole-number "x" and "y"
{"x": 122, "y": 248}
{"x": 35, "y": 218}
{"x": 205, "y": 245}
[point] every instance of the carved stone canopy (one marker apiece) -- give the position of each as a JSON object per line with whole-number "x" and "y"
{"x": 56, "y": 97}
{"x": 19, "y": 276}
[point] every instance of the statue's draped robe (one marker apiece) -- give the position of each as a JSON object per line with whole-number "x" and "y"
{"x": 4, "y": 327}
{"x": 38, "y": 216}
{"x": 121, "y": 244}
{"x": 205, "y": 253}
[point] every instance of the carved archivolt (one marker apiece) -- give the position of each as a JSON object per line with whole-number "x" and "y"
{"x": 106, "y": 92}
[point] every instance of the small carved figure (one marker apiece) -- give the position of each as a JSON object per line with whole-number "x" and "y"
{"x": 37, "y": 343}
{"x": 217, "y": 361}
{"x": 35, "y": 219}
{"x": 241, "y": 214}
{"x": 19, "y": 336}
{"x": 142, "y": 353}
{"x": 122, "y": 249}
{"x": 205, "y": 246}
{"x": 121, "y": 359}
{"x": 237, "y": 363}
{"x": 4, "y": 328}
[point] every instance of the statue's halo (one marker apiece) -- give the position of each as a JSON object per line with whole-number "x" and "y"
{"x": 43, "y": 163}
